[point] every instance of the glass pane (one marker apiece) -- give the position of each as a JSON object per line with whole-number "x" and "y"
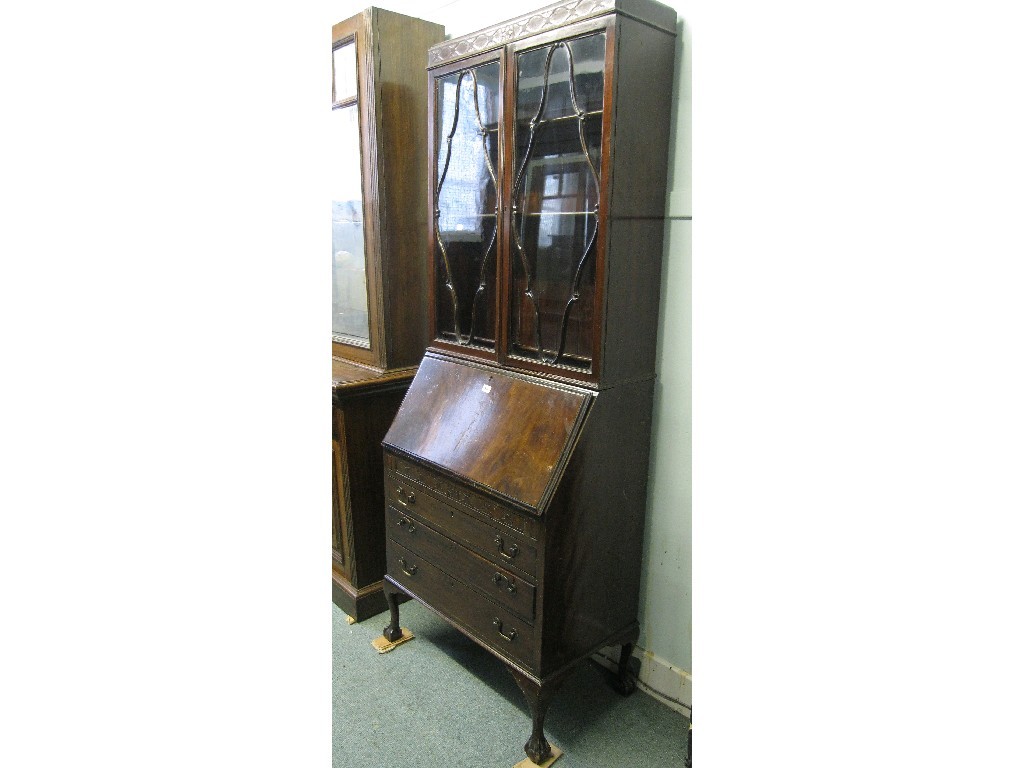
{"x": 345, "y": 71}
{"x": 349, "y": 317}
{"x": 555, "y": 198}
{"x": 466, "y": 212}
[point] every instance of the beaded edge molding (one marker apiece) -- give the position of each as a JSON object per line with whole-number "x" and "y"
{"x": 524, "y": 26}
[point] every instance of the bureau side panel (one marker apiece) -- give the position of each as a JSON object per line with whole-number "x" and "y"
{"x": 366, "y": 420}
{"x": 641, "y": 129}
{"x": 401, "y": 45}
{"x": 634, "y": 292}
{"x": 594, "y": 530}
{"x": 644, "y": 70}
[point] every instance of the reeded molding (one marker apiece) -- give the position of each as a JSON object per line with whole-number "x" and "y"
{"x": 539, "y": 21}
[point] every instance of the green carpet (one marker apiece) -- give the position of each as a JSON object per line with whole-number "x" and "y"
{"x": 441, "y": 701}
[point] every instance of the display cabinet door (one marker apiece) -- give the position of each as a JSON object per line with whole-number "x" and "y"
{"x": 350, "y": 319}
{"x": 555, "y": 198}
{"x": 465, "y": 177}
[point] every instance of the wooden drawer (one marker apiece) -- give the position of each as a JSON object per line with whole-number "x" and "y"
{"x": 461, "y": 496}
{"x": 503, "y": 547}
{"x": 487, "y": 621}
{"x": 500, "y": 584}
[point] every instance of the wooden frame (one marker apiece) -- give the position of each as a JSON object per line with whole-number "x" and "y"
{"x": 369, "y": 380}
{"x": 506, "y": 58}
{"x": 433, "y": 116}
{"x": 604, "y": 24}
{"x": 505, "y": 472}
{"x": 355, "y": 28}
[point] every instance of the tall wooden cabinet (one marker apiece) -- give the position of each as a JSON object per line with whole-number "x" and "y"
{"x": 516, "y": 467}
{"x": 379, "y": 317}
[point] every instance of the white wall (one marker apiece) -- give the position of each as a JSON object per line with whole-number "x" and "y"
{"x": 665, "y": 588}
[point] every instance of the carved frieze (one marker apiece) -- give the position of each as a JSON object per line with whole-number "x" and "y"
{"x": 531, "y": 24}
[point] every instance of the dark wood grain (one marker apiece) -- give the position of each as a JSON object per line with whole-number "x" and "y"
{"x": 369, "y": 383}
{"x": 539, "y": 464}
{"x": 399, "y": 43}
{"x": 538, "y": 698}
{"x": 485, "y": 619}
{"x": 347, "y": 376}
{"x": 471, "y": 502}
{"x": 362, "y": 413}
{"x": 594, "y": 530}
{"x": 493, "y": 542}
{"x": 634, "y": 290}
{"x": 454, "y": 412}
{"x": 511, "y": 589}
{"x": 640, "y": 123}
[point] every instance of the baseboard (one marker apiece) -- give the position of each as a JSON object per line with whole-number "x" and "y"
{"x": 670, "y": 685}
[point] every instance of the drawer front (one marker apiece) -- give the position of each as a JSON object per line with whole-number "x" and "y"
{"x": 503, "y": 547}
{"x": 488, "y": 621}
{"x": 499, "y": 584}
{"x": 451, "y": 492}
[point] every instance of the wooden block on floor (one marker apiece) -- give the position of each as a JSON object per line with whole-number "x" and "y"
{"x": 349, "y": 619}
{"x": 383, "y": 645}
{"x": 528, "y": 763}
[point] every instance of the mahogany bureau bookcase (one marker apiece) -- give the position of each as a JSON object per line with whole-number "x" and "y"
{"x": 379, "y": 319}
{"x": 516, "y": 467}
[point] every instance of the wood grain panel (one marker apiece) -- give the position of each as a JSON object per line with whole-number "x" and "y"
{"x": 500, "y": 546}
{"x": 493, "y": 581}
{"x": 501, "y": 431}
{"x": 463, "y": 498}
{"x": 483, "y": 618}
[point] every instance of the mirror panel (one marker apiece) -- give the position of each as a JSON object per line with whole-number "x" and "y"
{"x": 350, "y": 321}
{"x": 345, "y": 72}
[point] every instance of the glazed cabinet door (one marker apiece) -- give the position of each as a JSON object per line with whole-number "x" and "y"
{"x": 353, "y": 322}
{"x": 557, "y": 130}
{"x": 465, "y": 179}
{"x": 519, "y": 144}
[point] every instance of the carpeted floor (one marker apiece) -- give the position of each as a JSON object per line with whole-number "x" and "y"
{"x": 441, "y": 701}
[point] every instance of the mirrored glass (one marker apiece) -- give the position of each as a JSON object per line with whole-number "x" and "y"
{"x": 349, "y": 259}
{"x": 345, "y": 71}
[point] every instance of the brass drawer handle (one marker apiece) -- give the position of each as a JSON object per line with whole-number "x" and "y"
{"x": 408, "y": 524}
{"x": 510, "y": 584}
{"x": 409, "y": 496}
{"x": 408, "y": 570}
{"x": 511, "y": 633}
{"x": 509, "y": 553}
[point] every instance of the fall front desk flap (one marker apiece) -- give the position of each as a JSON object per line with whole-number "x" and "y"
{"x": 501, "y": 431}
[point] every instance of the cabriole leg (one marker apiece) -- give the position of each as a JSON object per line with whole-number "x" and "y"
{"x": 538, "y": 697}
{"x": 625, "y": 680}
{"x": 393, "y": 631}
